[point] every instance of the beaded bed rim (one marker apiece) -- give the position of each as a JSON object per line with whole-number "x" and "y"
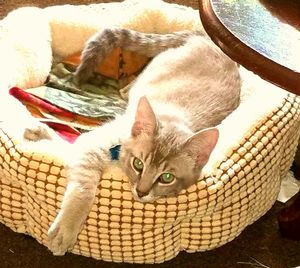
{"x": 207, "y": 215}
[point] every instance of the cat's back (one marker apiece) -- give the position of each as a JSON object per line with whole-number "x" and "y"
{"x": 196, "y": 77}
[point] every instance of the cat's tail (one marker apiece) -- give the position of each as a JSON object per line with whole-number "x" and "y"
{"x": 103, "y": 42}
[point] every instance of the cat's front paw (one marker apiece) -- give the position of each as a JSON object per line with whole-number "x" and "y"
{"x": 37, "y": 131}
{"x": 61, "y": 237}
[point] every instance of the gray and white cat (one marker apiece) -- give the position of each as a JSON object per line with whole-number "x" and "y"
{"x": 168, "y": 130}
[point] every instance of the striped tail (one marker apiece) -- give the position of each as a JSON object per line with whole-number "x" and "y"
{"x": 103, "y": 42}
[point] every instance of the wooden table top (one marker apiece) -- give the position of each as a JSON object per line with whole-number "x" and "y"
{"x": 261, "y": 35}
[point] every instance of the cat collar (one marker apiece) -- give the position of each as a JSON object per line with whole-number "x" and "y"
{"x": 114, "y": 152}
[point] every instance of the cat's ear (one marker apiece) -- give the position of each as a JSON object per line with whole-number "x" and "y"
{"x": 201, "y": 144}
{"x": 145, "y": 120}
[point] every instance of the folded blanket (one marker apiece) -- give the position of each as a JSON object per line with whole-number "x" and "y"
{"x": 43, "y": 109}
{"x": 63, "y": 103}
{"x": 37, "y": 107}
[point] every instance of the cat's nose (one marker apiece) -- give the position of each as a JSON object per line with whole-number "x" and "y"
{"x": 141, "y": 194}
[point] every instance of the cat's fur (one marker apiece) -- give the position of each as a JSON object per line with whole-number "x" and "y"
{"x": 148, "y": 44}
{"x": 169, "y": 125}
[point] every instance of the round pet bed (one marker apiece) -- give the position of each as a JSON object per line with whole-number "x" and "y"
{"x": 239, "y": 184}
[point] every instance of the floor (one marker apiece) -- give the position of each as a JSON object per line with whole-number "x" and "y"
{"x": 260, "y": 245}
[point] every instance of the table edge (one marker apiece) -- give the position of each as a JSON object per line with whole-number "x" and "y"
{"x": 235, "y": 49}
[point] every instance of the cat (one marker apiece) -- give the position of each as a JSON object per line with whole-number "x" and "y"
{"x": 167, "y": 132}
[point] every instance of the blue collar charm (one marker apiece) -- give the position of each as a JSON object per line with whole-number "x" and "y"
{"x": 114, "y": 152}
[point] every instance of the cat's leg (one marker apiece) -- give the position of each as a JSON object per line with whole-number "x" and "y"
{"x": 83, "y": 176}
{"x": 83, "y": 173}
{"x": 36, "y": 131}
{"x": 28, "y": 128}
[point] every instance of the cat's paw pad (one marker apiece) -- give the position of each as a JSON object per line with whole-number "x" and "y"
{"x": 61, "y": 238}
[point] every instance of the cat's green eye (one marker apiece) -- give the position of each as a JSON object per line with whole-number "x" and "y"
{"x": 166, "y": 178}
{"x": 138, "y": 164}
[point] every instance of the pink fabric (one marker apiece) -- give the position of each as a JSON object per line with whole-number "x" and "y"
{"x": 64, "y": 130}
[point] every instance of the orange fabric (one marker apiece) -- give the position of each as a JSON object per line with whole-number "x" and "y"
{"x": 112, "y": 66}
{"x": 133, "y": 62}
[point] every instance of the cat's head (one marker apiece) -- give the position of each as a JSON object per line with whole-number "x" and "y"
{"x": 161, "y": 161}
